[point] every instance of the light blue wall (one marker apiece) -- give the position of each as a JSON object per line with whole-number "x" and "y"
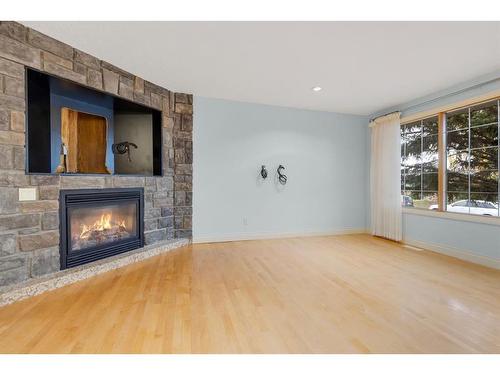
{"x": 476, "y": 239}
{"x": 325, "y": 159}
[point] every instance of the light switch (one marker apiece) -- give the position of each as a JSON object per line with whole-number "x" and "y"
{"x": 28, "y": 194}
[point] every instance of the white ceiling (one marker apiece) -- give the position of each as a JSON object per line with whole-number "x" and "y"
{"x": 362, "y": 66}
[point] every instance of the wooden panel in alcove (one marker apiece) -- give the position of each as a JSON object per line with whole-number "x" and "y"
{"x": 69, "y": 125}
{"x": 84, "y": 135}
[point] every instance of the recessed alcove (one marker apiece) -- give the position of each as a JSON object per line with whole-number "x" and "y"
{"x": 72, "y": 129}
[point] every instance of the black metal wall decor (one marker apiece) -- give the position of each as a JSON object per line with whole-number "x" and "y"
{"x": 123, "y": 148}
{"x": 281, "y": 176}
{"x": 263, "y": 172}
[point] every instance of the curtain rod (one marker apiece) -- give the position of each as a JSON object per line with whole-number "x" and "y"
{"x": 385, "y": 114}
{"x": 465, "y": 89}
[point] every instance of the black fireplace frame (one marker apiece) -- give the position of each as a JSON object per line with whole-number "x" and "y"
{"x": 97, "y": 197}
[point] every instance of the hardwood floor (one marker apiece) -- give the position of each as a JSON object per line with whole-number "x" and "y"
{"x": 340, "y": 294}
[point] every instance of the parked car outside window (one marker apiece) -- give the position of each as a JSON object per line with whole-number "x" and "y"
{"x": 475, "y": 207}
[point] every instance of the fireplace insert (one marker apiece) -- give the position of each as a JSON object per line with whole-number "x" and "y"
{"x": 96, "y": 224}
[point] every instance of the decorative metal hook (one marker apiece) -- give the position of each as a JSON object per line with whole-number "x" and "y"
{"x": 263, "y": 172}
{"x": 281, "y": 177}
{"x": 123, "y": 148}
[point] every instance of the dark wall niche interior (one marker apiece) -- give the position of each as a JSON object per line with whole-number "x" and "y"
{"x": 130, "y": 132}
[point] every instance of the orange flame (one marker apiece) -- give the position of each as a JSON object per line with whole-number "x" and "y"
{"x": 100, "y": 225}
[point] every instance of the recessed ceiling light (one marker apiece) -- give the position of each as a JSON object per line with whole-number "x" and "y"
{"x": 316, "y": 88}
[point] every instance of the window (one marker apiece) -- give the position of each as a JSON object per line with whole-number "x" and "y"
{"x": 419, "y": 163}
{"x": 469, "y": 178}
{"x": 472, "y": 158}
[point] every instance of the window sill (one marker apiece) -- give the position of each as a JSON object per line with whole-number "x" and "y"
{"x": 489, "y": 220}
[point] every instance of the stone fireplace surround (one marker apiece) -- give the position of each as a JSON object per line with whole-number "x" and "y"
{"x": 29, "y": 230}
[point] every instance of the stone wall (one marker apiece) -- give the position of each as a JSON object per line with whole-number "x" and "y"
{"x": 29, "y": 230}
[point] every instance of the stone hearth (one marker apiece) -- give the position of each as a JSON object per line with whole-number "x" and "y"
{"x": 59, "y": 279}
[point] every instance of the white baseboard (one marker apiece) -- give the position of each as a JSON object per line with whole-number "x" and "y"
{"x": 454, "y": 252}
{"x": 269, "y": 236}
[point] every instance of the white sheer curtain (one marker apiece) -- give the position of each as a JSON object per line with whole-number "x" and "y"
{"x": 385, "y": 177}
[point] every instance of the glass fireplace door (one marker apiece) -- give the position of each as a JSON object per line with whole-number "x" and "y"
{"x": 94, "y": 226}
